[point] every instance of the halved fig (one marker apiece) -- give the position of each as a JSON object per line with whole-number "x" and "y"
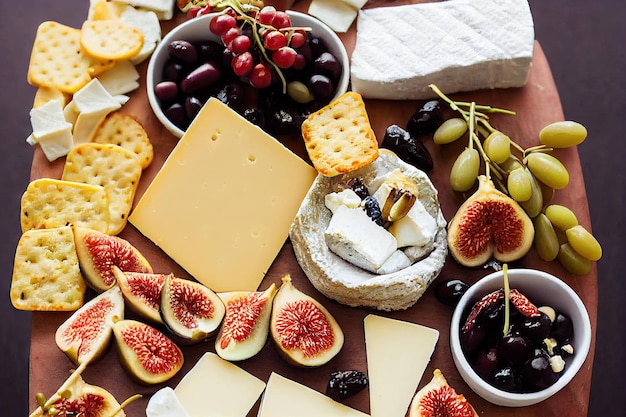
{"x": 305, "y": 333}
{"x": 147, "y": 355}
{"x": 437, "y": 398}
{"x": 489, "y": 223}
{"x": 80, "y": 399}
{"x": 142, "y": 292}
{"x": 99, "y": 252}
{"x": 86, "y": 334}
{"x": 190, "y": 310}
{"x": 246, "y": 323}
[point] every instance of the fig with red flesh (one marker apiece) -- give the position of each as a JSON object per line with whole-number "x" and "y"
{"x": 437, "y": 398}
{"x": 142, "y": 292}
{"x": 304, "y": 331}
{"x": 80, "y": 399}
{"x": 190, "y": 310}
{"x": 147, "y": 355}
{"x": 489, "y": 224}
{"x": 246, "y": 323}
{"x": 98, "y": 253}
{"x": 86, "y": 334}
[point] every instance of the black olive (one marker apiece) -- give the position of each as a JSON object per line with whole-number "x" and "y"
{"x": 408, "y": 148}
{"x": 342, "y": 384}
{"x": 426, "y": 119}
{"x": 358, "y": 186}
{"x": 372, "y": 208}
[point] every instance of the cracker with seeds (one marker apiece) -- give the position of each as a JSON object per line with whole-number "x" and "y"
{"x": 111, "y": 39}
{"x": 112, "y": 167}
{"x": 339, "y": 138}
{"x": 48, "y": 203}
{"x": 125, "y": 131}
{"x": 46, "y": 272}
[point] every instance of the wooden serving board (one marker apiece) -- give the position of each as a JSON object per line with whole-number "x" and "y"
{"x": 537, "y": 104}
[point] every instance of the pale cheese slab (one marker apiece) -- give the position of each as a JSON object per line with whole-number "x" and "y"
{"x": 394, "y": 375}
{"x": 286, "y": 398}
{"x": 222, "y": 203}
{"x": 215, "y": 387}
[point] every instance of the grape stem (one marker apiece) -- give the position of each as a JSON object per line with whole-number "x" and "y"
{"x": 507, "y": 304}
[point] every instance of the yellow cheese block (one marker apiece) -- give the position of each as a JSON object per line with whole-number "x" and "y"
{"x": 222, "y": 203}
{"x": 215, "y": 387}
{"x": 397, "y": 355}
{"x": 286, "y": 398}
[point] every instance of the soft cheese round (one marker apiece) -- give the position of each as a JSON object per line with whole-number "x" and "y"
{"x": 347, "y": 284}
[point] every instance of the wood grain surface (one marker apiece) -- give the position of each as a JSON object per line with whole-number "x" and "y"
{"x": 536, "y": 105}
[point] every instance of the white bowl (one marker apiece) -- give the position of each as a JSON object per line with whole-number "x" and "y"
{"x": 540, "y": 288}
{"x": 197, "y": 29}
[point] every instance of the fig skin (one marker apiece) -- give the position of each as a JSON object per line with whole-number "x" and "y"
{"x": 227, "y": 345}
{"x": 288, "y": 303}
{"x": 147, "y": 304}
{"x": 200, "y": 310}
{"x": 85, "y": 335}
{"x": 510, "y": 243}
{"x": 438, "y": 389}
{"x": 114, "y": 251}
{"x": 139, "y": 344}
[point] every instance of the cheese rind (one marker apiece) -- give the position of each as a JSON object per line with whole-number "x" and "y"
{"x": 215, "y": 387}
{"x": 286, "y": 398}
{"x": 228, "y": 192}
{"x": 398, "y": 353}
{"x": 459, "y": 45}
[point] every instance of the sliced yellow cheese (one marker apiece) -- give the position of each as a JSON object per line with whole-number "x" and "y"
{"x": 398, "y": 353}
{"x": 222, "y": 203}
{"x": 286, "y": 398}
{"x": 215, "y": 387}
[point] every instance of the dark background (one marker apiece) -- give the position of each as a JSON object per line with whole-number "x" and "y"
{"x": 584, "y": 43}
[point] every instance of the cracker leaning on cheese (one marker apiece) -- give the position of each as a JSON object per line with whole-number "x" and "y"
{"x": 354, "y": 286}
{"x": 339, "y": 138}
{"x": 46, "y": 273}
{"x": 49, "y": 203}
{"x": 112, "y": 167}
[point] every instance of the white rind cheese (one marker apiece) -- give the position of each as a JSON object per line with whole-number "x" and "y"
{"x": 417, "y": 228}
{"x": 459, "y": 45}
{"x": 356, "y": 238}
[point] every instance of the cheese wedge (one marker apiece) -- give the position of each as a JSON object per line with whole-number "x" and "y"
{"x": 398, "y": 353}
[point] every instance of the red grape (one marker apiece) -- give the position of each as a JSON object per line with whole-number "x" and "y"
{"x": 300, "y": 62}
{"x": 242, "y": 64}
{"x": 284, "y": 57}
{"x": 240, "y": 44}
{"x": 221, "y": 23}
{"x": 275, "y": 40}
{"x": 266, "y": 15}
{"x": 230, "y": 35}
{"x": 260, "y": 76}
{"x": 297, "y": 39}
{"x": 281, "y": 20}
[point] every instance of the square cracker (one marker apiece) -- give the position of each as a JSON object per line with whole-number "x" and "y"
{"x": 46, "y": 273}
{"x": 112, "y": 167}
{"x": 58, "y": 61}
{"x": 125, "y": 131}
{"x": 339, "y": 138}
{"x": 48, "y": 203}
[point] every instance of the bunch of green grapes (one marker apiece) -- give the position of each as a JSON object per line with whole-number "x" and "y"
{"x": 529, "y": 176}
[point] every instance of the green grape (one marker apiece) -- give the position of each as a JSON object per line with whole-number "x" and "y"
{"x": 534, "y": 204}
{"x": 450, "y": 130}
{"x": 584, "y": 243}
{"x": 546, "y": 240}
{"x": 547, "y": 192}
{"x": 465, "y": 170}
{"x": 573, "y": 261}
{"x": 561, "y": 216}
{"x": 563, "y": 134}
{"x": 497, "y": 146}
{"x": 511, "y": 163}
{"x": 547, "y": 169}
{"x": 518, "y": 184}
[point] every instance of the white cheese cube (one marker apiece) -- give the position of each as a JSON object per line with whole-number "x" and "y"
{"x": 396, "y": 262}
{"x": 458, "y": 45}
{"x": 121, "y": 79}
{"x": 164, "y": 9}
{"x": 417, "y": 228}
{"x": 345, "y": 197}
{"x": 86, "y": 125}
{"x": 93, "y": 97}
{"x": 355, "y": 237}
{"x": 165, "y": 403}
{"x": 338, "y": 15}
{"x": 50, "y": 130}
{"x": 148, "y": 23}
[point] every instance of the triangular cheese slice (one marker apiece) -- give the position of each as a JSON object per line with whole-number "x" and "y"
{"x": 286, "y": 398}
{"x": 398, "y": 353}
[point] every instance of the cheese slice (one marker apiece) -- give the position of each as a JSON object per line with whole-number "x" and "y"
{"x": 459, "y": 45}
{"x": 121, "y": 79}
{"x": 336, "y": 14}
{"x": 50, "y": 130}
{"x": 286, "y": 398}
{"x": 398, "y": 353}
{"x": 215, "y": 387}
{"x": 222, "y": 203}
